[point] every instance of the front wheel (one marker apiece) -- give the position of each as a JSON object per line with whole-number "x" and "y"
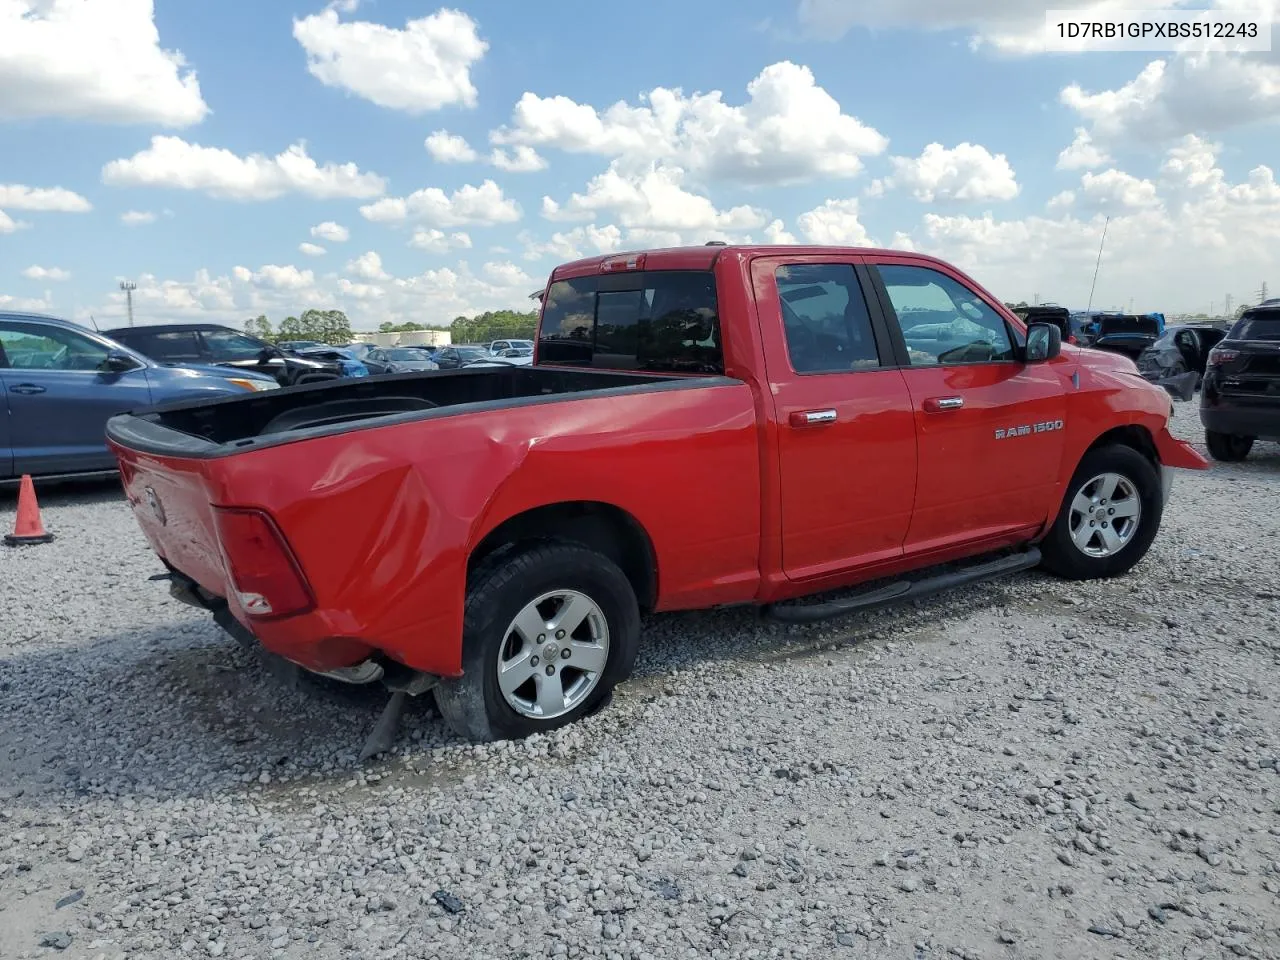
{"x": 1109, "y": 516}
{"x": 549, "y": 631}
{"x": 1227, "y": 447}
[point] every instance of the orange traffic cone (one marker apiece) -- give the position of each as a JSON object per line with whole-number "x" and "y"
{"x": 28, "y": 528}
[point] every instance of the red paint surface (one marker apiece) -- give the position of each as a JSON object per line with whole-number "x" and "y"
{"x": 741, "y": 503}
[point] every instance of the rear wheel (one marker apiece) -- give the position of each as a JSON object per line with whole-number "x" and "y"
{"x": 1109, "y": 516}
{"x": 1227, "y": 447}
{"x": 549, "y": 631}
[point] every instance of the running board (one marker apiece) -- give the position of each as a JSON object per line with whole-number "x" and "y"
{"x": 904, "y": 589}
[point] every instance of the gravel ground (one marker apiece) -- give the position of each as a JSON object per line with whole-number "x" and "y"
{"x": 1026, "y": 769}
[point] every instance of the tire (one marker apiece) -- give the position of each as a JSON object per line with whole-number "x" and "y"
{"x": 1227, "y": 447}
{"x": 1099, "y": 555}
{"x": 474, "y": 705}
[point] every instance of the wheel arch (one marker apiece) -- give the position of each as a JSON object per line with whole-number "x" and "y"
{"x": 1133, "y": 435}
{"x": 603, "y": 527}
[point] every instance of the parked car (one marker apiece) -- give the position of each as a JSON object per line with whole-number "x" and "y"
{"x": 1125, "y": 333}
{"x": 399, "y": 360}
{"x": 451, "y": 357}
{"x": 1179, "y": 356}
{"x": 837, "y": 430}
{"x": 352, "y": 366}
{"x": 1240, "y": 396}
{"x": 511, "y": 357}
{"x": 499, "y": 347}
{"x": 1067, "y": 323}
{"x": 211, "y": 343}
{"x": 61, "y": 382}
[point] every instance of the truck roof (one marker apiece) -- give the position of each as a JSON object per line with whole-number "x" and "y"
{"x": 704, "y": 257}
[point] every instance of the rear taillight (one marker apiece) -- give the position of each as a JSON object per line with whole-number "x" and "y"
{"x": 1218, "y": 356}
{"x": 264, "y": 572}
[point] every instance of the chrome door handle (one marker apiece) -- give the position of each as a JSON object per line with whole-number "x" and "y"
{"x": 934, "y": 404}
{"x": 812, "y": 418}
{"x": 27, "y": 388}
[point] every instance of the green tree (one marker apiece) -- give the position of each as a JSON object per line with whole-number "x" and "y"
{"x": 260, "y": 327}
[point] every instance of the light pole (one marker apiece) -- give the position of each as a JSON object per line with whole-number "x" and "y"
{"x": 128, "y": 286}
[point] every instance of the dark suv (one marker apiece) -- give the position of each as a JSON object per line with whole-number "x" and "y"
{"x": 1240, "y": 399}
{"x": 181, "y": 343}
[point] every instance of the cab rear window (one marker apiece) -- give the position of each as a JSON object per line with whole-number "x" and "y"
{"x": 657, "y": 320}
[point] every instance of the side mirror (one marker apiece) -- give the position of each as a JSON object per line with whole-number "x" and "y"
{"x": 1044, "y": 342}
{"x": 118, "y": 362}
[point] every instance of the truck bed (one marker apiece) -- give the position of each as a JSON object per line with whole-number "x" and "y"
{"x": 205, "y": 429}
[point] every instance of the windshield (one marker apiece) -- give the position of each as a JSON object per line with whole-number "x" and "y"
{"x": 1260, "y": 325}
{"x": 472, "y": 353}
{"x": 407, "y": 353}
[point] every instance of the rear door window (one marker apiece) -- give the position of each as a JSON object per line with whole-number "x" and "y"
{"x": 664, "y": 321}
{"x": 824, "y": 315}
{"x": 1262, "y": 325}
{"x": 170, "y": 346}
{"x": 227, "y": 345}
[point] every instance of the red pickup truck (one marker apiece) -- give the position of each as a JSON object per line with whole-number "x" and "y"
{"x": 701, "y": 427}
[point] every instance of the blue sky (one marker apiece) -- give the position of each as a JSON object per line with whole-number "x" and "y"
{"x": 1181, "y": 158}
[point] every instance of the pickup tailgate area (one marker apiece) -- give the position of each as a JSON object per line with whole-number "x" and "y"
{"x": 172, "y": 504}
{"x": 361, "y": 531}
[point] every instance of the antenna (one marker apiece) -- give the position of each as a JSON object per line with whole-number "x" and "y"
{"x": 1089, "y": 308}
{"x": 94, "y": 322}
{"x": 128, "y": 286}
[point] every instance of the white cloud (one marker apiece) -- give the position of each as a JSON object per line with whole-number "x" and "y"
{"x": 281, "y": 291}
{"x": 835, "y": 222}
{"x": 275, "y": 277}
{"x": 653, "y": 200}
{"x": 15, "y": 196}
{"x": 1082, "y": 153}
{"x": 368, "y": 266}
{"x": 425, "y": 66}
{"x": 312, "y": 249}
{"x": 446, "y": 147}
{"x": 1113, "y": 191}
{"x": 1172, "y": 244}
{"x": 789, "y": 130}
{"x": 966, "y": 172}
{"x": 172, "y": 162}
{"x": 10, "y": 225}
{"x": 484, "y": 205}
{"x": 777, "y": 232}
{"x": 507, "y": 274}
{"x": 1200, "y": 93}
{"x": 99, "y": 61}
{"x": 137, "y": 218}
{"x": 34, "y": 272}
{"x": 437, "y": 241}
{"x": 31, "y": 304}
{"x": 573, "y": 244}
{"x": 333, "y": 232}
{"x": 522, "y": 159}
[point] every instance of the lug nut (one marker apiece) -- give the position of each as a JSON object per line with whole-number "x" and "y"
{"x": 559, "y": 634}
{"x": 565, "y": 653}
{"x": 550, "y": 669}
{"x": 1111, "y": 510}
{"x": 542, "y": 637}
{"x": 533, "y": 661}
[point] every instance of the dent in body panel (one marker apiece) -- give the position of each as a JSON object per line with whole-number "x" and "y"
{"x": 663, "y": 459}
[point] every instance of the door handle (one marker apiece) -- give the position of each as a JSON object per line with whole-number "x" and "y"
{"x": 938, "y": 404}
{"x": 26, "y": 388}
{"x": 812, "y": 418}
